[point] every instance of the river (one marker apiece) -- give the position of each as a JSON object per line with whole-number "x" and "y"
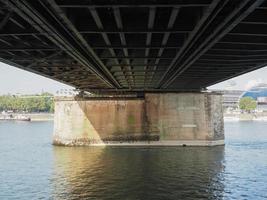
{"x": 31, "y": 168}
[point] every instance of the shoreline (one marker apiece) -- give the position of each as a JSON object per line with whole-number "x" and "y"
{"x": 40, "y": 116}
{"x": 34, "y": 116}
{"x": 246, "y": 117}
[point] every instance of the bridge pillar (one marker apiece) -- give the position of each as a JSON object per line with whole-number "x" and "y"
{"x": 157, "y": 119}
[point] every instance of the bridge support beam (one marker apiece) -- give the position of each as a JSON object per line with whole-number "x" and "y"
{"x": 158, "y": 119}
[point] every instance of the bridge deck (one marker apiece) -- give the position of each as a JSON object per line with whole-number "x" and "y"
{"x": 135, "y": 45}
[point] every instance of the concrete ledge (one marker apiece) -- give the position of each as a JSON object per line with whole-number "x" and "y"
{"x": 143, "y": 143}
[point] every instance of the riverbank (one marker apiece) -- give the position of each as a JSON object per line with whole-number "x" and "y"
{"x": 41, "y": 116}
{"x": 36, "y": 116}
{"x": 246, "y": 117}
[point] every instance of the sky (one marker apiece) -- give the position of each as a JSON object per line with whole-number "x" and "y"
{"x": 14, "y": 80}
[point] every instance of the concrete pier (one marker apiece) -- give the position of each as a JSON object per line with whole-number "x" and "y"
{"x": 157, "y": 119}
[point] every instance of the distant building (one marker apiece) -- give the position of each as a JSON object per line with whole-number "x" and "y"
{"x": 258, "y": 92}
{"x": 67, "y": 92}
{"x": 262, "y": 100}
{"x": 230, "y": 98}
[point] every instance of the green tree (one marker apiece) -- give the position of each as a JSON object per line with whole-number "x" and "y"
{"x": 247, "y": 104}
{"x": 29, "y": 103}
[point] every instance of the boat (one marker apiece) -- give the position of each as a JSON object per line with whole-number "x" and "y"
{"x": 18, "y": 117}
{"x": 22, "y": 118}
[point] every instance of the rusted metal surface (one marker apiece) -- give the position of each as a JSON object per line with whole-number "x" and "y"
{"x": 111, "y": 46}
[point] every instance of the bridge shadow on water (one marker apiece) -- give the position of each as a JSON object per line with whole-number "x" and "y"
{"x": 138, "y": 173}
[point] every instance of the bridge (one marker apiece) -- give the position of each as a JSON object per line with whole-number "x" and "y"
{"x": 139, "y": 46}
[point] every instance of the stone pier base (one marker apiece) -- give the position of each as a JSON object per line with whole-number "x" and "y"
{"x": 158, "y": 119}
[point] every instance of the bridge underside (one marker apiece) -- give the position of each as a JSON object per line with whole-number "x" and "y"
{"x": 135, "y": 45}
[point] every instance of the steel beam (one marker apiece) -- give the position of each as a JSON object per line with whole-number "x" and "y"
{"x": 226, "y": 26}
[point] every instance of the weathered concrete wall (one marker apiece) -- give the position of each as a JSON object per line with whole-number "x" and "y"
{"x": 214, "y": 113}
{"x": 158, "y": 119}
{"x": 97, "y": 121}
{"x": 183, "y": 116}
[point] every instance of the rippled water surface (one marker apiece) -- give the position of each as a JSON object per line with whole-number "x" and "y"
{"x": 31, "y": 168}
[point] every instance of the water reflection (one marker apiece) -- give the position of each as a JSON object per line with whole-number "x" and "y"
{"x": 138, "y": 173}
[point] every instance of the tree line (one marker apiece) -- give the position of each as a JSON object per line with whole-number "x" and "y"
{"x": 247, "y": 104}
{"x": 27, "y": 103}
